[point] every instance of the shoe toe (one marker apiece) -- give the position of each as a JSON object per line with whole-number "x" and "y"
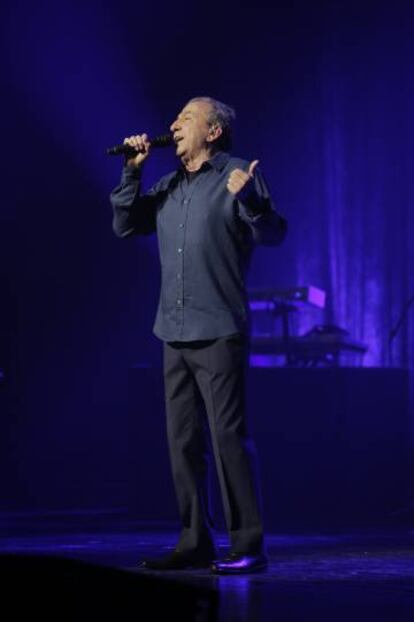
{"x": 240, "y": 564}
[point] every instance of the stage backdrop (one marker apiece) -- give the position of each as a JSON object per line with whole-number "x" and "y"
{"x": 324, "y": 95}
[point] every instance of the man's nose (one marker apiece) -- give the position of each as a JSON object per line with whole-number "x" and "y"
{"x": 174, "y": 125}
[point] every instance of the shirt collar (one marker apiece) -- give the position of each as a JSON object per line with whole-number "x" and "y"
{"x": 218, "y": 162}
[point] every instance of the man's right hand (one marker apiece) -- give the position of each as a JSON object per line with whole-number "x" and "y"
{"x": 143, "y": 146}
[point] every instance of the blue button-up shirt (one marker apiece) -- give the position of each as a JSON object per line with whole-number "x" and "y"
{"x": 205, "y": 236}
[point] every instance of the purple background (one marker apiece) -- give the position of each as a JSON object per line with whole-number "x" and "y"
{"x": 324, "y": 94}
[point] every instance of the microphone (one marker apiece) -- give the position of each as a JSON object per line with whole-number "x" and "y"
{"x": 165, "y": 140}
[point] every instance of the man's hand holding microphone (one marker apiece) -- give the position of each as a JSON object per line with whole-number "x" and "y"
{"x": 141, "y": 143}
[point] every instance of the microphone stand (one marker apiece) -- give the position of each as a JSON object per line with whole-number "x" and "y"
{"x": 393, "y": 332}
{"x": 405, "y": 513}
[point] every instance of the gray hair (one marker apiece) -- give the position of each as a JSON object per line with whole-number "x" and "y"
{"x": 222, "y": 115}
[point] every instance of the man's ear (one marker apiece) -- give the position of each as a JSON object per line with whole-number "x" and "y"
{"x": 214, "y": 132}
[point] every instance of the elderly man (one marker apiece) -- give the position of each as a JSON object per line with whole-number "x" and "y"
{"x": 207, "y": 215}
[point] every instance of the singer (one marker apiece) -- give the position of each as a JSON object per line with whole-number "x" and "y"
{"x": 207, "y": 214}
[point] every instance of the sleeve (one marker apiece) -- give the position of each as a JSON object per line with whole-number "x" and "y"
{"x": 257, "y": 210}
{"x": 133, "y": 213}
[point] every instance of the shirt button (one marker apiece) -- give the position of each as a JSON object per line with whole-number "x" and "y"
{"x": 186, "y": 201}
{"x": 178, "y": 302}
{"x": 181, "y": 225}
{"x": 180, "y": 250}
{"x": 178, "y": 275}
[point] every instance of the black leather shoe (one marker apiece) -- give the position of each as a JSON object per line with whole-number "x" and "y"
{"x": 240, "y": 563}
{"x": 179, "y": 560}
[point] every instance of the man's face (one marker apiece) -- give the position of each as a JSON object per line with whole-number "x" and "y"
{"x": 191, "y": 129}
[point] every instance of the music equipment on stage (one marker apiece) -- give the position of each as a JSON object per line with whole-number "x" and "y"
{"x": 294, "y": 295}
{"x": 323, "y": 345}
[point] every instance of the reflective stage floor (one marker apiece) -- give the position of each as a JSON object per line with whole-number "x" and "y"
{"x": 58, "y": 572}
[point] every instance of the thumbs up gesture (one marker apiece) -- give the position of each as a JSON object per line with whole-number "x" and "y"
{"x": 239, "y": 180}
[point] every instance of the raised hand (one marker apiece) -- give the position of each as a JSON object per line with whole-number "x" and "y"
{"x": 141, "y": 143}
{"x": 239, "y": 180}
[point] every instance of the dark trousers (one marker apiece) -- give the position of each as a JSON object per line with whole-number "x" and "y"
{"x": 211, "y": 374}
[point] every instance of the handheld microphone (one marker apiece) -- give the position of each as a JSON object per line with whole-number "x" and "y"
{"x": 165, "y": 140}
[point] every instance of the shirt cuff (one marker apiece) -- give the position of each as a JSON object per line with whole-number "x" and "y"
{"x": 253, "y": 204}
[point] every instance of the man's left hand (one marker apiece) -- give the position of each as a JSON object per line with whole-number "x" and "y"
{"x": 239, "y": 180}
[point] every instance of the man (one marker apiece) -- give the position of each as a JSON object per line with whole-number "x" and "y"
{"x": 207, "y": 216}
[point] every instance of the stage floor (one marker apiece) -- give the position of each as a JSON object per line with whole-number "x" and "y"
{"x": 315, "y": 576}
